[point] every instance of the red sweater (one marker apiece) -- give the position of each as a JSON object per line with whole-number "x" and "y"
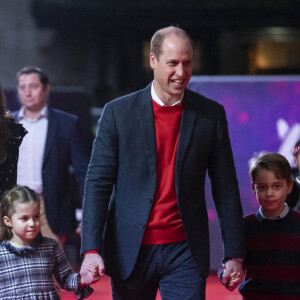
{"x": 164, "y": 224}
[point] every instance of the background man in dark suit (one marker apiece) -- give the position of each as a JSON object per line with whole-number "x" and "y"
{"x": 53, "y": 144}
{"x": 144, "y": 207}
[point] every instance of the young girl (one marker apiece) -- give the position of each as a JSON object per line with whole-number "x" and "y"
{"x": 28, "y": 261}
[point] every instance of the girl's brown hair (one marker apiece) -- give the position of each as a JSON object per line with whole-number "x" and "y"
{"x": 4, "y": 131}
{"x": 20, "y": 194}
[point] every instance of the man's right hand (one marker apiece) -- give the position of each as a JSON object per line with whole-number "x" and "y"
{"x": 91, "y": 259}
{"x": 232, "y": 275}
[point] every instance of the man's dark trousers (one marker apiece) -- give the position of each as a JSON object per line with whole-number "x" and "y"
{"x": 168, "y": 267}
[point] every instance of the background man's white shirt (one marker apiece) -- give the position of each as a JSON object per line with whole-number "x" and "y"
{"x": 32, "y": 149}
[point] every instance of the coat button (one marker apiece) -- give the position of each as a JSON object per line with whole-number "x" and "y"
{"x": 143, "y": 225}
{"x": 150, "y": 200}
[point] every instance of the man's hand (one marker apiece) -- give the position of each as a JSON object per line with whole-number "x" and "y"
{"x": 233, "y": 274}
{"x": 92, "y": 268}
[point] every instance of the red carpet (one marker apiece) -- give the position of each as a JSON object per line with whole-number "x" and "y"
{"x": 214, "y": 291}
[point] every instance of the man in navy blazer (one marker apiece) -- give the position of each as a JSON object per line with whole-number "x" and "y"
{"x": 145, "y": 220}
{"x": 54, "y": 145}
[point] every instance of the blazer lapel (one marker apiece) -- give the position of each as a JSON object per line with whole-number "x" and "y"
{"x": 146, "y": 119}
{"x": 187, "y": 124}
{"x": 52, "y": 127}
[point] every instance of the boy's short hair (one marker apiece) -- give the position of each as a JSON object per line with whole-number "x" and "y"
{"x": 274, "y": 162}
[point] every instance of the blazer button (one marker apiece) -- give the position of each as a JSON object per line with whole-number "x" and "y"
{"x": 143, "y": 225}
{"x": 150, "y": 200}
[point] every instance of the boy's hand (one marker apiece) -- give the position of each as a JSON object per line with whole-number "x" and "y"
{"x": 232, "y": 274}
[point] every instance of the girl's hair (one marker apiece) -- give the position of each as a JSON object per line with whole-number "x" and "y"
{"x": 274, "y": 162}
{"x": 2, "y": 102}
{"x": 4, "y": 130}
{"x": 20, "y": 194}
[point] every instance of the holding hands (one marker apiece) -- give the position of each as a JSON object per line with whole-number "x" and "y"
{"x": 92, "y": 269}
{"x": 232, "y": 274}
